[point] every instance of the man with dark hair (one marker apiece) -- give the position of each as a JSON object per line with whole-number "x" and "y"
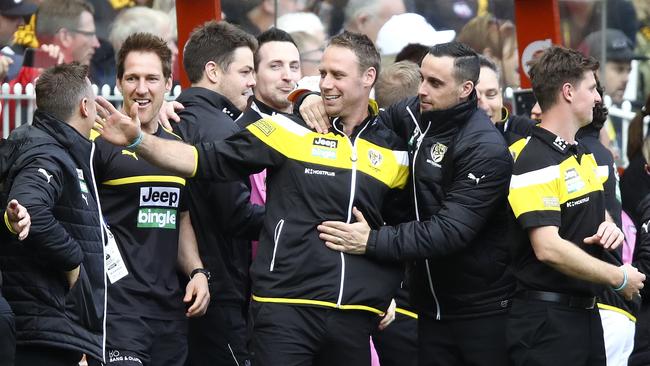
{"x": 54, "y": 280}
{"x": 413, "y": 52}
{"x": 310, "y": 305}
{"x": 459, "y": 281}
{"x": 219, "y": 59}
{"x": 145, "y": 208}
{"x": 557, "y": 197}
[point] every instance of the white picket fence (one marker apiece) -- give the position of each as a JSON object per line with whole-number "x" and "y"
{"x": 19, "y": 104}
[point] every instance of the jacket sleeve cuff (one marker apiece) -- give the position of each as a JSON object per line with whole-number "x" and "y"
{"x": 8, "y": 224}
{"x": 371, "y": 245}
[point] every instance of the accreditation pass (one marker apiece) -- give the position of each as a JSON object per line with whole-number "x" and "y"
{"x": 115, "y": 267}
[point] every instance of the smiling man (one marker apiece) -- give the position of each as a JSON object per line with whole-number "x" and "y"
{"x": 311, "y": 305}
{"x": 145, "y": 207}
{"x": 218, "y": 60}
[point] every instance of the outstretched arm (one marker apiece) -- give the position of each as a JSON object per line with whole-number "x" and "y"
{"x": 122, "y": 130}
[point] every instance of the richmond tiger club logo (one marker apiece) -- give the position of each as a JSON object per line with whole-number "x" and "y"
{"x": 375, "y": 158}
{"x": 437, "y": 153}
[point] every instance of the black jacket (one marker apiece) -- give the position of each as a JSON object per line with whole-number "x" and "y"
{"x": 460, "y": 174}
{"x": 53, "y": 179}
{"x": 312, "y": 178}
{"x": 224, "y": 220}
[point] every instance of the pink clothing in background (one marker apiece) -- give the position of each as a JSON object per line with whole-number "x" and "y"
{"x": 629, "y": 230}
{"x": 258, "y": 196}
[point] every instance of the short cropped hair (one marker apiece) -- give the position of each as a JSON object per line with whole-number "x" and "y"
{"x": 363, "y": 48}
{"x": 214, "y": 41}
{"x": 271, "y": 35}
{"x": 486, "y": 62}
{"x": 555, "y": 67}
{"x": 396, "y": 82}
{"x": 145, "y": 42}
{"x": 466, "y": 62}
{"x": 52, "y": 15}
{"x": 60, "y": 89}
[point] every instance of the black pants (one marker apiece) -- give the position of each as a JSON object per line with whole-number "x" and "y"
{"x": 46, "y": 356}
{"x": 475, "y": 341}
{"x": 7, "y": 334}
{"x": 397, "y": 345}
{"x": 288, "y": 335}
{"x": 138, "y": 341}
{"x": 220, "y": 337}
{"x": 545, "y": 333}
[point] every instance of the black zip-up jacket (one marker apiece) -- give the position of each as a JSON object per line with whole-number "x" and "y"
{"x": 313, "y": 178}
{"x": 53, "y": 179}
{"x": 460, "y": 174}
{"x": 224, "y": 220}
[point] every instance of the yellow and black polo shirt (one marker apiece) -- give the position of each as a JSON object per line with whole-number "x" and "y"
{"x": 554, "y": 183}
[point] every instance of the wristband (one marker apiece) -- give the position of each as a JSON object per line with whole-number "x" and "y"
{"x": 201, "y": 270}
{"x": 138, "y": 140}
{"x": 622, "y": 286}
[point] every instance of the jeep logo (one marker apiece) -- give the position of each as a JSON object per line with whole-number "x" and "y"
{"x": 332, "y": 144}
{"x": 159, "y": 196}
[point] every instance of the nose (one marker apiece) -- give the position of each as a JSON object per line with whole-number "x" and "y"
{"x": 251, "y": 80}
{"x": 141, "y": 87}
{"x": 325, "y": 82}
{"x": 422, "y": 89}
{"x": 95, "y": 42}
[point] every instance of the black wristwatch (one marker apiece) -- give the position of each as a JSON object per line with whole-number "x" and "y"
{"x": 200, "y": 270}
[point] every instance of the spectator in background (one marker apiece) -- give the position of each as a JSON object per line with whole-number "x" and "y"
{"x": 68, "y": 24}
{"x": 396, "y": 82}
{"x": 619, "y": 53}
{"x": 643, "y": 44}
{"x": 303, "y": 22}
{"x": 12, "y": 16}
{"x": 413, "y": 52}
{"x": 497, "y": 40}
{"x": 448, "y": 14}
{"x": 580, "y": 18}
{"x": 139, "y": 19}
{"x": 311, "y": 51}
{"x": 402, "y": 29}
{"x": 262, "y": 15}
{"x": 368, "y": 16}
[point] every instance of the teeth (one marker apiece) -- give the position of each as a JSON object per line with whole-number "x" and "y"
{"x": 331, "y": 97}
{"x": 142, "y": 101}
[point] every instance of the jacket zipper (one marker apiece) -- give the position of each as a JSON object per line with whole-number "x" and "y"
{"x": 101, "y": 220}
{"x": 276, "y": 241}
{"x": 353, "y": 187}
{"x": 415, "y": 197}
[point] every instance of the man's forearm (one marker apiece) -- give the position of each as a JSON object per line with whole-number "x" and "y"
{"x": 173, "y": 156}
{"x": 567, "y": 258}
{"x": 188, "y": 250}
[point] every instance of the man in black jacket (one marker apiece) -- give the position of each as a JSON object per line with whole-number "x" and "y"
{"x": 54, "y": 280}
{"x": 219, "y": 63}
{"x": 460, "y": 165}
{"x": 310, "y": 305}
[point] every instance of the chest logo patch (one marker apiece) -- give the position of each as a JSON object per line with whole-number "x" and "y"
{"x": 375, "y": 158}
{"x": 438, "y": 151}
{"x": 573, "y": 181}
